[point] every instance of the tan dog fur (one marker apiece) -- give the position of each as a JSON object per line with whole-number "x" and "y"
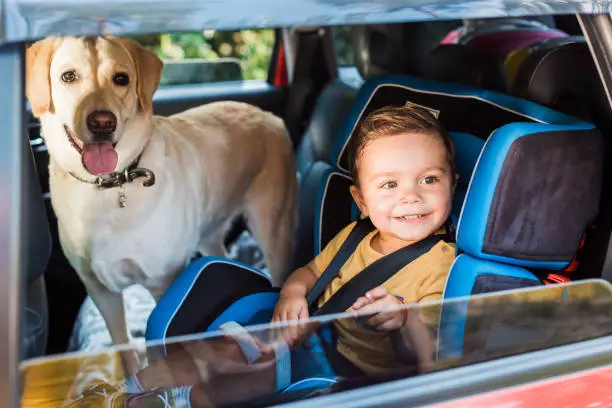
{"x": 211, "y": 163}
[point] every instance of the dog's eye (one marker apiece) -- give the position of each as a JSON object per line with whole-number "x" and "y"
{"x": 121, "y": 79}
{"x": 69, "y": 76}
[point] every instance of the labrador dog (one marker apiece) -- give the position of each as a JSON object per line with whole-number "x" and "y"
{"x": 137, "y": 195}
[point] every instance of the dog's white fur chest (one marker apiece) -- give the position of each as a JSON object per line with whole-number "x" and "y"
{"x": 146, "y": 239}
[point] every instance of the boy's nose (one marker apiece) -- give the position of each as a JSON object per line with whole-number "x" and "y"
{"x": 410, "y": 196}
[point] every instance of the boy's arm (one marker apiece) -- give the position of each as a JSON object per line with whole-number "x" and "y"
{"x": 416, "y": 339}
{"x": 292, "y": 303}
{"x": 304, "y": 278}
{"x": 300, "y": 281}
{"x": 421, "y": 329}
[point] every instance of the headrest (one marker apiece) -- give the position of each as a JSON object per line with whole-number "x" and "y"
{"x": 333, "y": 103}
{"x": 500, "y": 37}
{"x": 470, "y": 115}
{"x": 461, "y": 109}
{"x": 395, "y": 48}
{"x": 458, "y": 64}
{"x": 534, "y": 192}
{"x": 563, "y": 77}
{"x": 335, "y": 207}
{"x": 516, "y": 58}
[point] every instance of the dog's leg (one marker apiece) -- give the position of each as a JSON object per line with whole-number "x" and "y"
{"x": 211, "y": 244}
{"x": 112, "y": 309}
{"x": 272, "y": 217}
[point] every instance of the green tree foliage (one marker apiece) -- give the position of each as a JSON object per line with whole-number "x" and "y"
{"x": 344, "y": 45}
{"x": 253, "y": 48}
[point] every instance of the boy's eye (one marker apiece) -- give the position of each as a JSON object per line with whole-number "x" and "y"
{"x": 389, "y": 185}
{"x": 429, "y": 180}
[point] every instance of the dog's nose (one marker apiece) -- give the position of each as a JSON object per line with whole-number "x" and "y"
{"x": 101, "y": 122}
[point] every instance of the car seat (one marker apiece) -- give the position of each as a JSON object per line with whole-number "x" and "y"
{"x": 201, "y": 297}
{"x": 525, "y": 212}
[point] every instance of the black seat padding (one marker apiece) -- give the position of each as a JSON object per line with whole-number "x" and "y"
{"x": 329, "y": 112}
{"x": 561, "y": 76}
{"x": 309, "y": 185}
{"x": 38, "y": 243}
{"x": 35, "y": 320}
{"x": 397, "y": 48}
{"x": 37, "y": 250}
{"x": 459, "y": 64}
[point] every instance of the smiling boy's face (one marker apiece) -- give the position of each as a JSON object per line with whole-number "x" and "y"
{"x": 405, "y": 186}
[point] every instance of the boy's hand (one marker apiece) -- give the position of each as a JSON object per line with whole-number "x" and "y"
{"x": 380, "y": 298}
{"x": 291, "y": 307}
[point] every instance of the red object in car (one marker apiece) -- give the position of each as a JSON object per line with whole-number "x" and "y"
{"x": 592, "y": 388}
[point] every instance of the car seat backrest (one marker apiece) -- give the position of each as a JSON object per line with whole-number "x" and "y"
{"x": 526, "y": 210}
{"x": 471, "y": 115}
{"x": 37, "y": 251}
{"x": 38, "y": 246}
{"x": 329, "y": 111}
{"x": 528, "y": 203}
{"x": 564, "y": 77}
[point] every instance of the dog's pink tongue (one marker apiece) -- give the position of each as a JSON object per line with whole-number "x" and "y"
{"x": 100, "y": 158}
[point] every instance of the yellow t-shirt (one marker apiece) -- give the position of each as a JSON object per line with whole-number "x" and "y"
{"x": 421, "y": 280}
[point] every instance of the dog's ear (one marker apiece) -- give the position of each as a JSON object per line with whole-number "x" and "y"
{"x": 38, "y": 80}
{"x": 148, "y": 69}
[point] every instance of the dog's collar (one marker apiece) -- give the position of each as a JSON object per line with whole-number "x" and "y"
{"x": 119, "y": 178}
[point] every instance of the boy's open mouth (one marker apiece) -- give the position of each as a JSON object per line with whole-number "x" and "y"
{"x": 412, "y": 217}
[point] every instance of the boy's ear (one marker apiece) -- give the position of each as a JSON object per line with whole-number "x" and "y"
{"x": 455, "y": 183}
{"x": 359, "y": 200}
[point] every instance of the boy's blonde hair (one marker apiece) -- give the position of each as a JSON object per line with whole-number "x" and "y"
{"x": 392, "y": 121}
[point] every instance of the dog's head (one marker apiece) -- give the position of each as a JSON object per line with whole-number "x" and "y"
{"x": 94, "y": 99}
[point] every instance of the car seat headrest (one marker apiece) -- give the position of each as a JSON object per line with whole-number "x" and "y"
{"x": 461, "y": 109}
{"x": 563, "y": 77}
{"x": 458, "y": 64}
{"x": 395, "y": 48}
{"x": 515, "y": 58}
{"x": 534, "y": 192}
